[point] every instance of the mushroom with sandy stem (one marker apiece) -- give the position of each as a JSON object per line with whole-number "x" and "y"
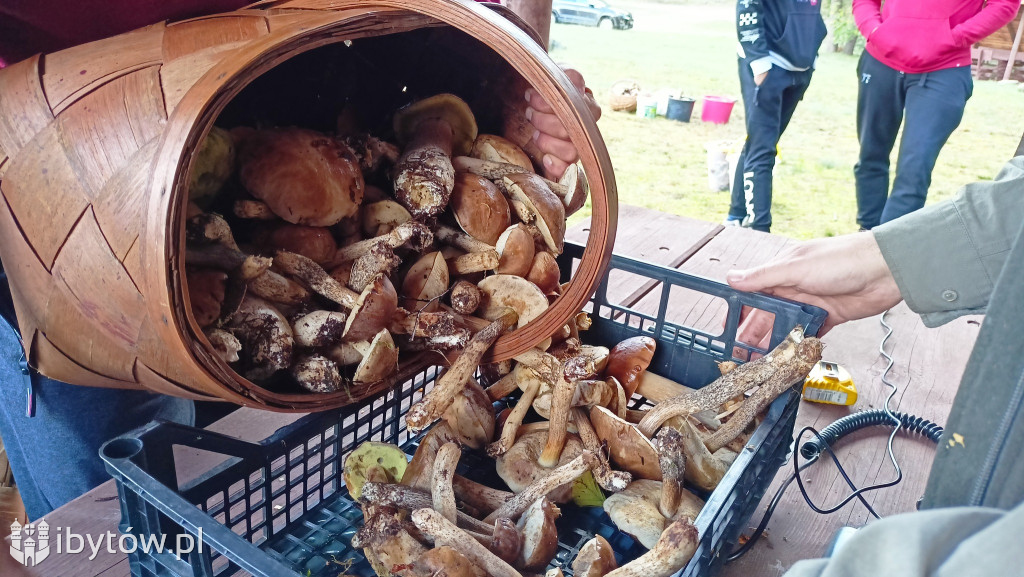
{"x": 316, "y": 373}
{"x": 447, "y": 562}
{"x": 704, "y": 469}
{"x": 460, "y": 240}
{"x": 225, "y": 344}
{"x": 628, "y": 448}
{"x": 430, "y": 130}
{"x": 558, "y": 418}
{"x": 465, "y": 297}
{"x": 672, "y": 459}
{"x": 609, "y": 480}
{"x": 436, "y": 401}
{"x": 498, "y": 149}
{"x": 279, "y": 289}
{"x": 548, "y": 210}
{"x": 304, "y": 176}
{"x": 497, "y": 171}
{"x": 370, "y": 311}
{"x": 636, "y": 510}
{"x": 372, "y": 152}
{"x": 405, "y": 497}
{"x": 380, "y": 358}
{"x": 386, "y": 542}
{"x": 479, "y": 207}
{"x": 441, "y": 481}
{"x": 473, "y": 262}
{"x": 789, "y": 362}
{"x": 383, "y": 216}
{"x": 555, "y": 478}
{"x": 266, "y": 336}
{"x": 503, "y": 387}
{"x": 519, "y": 466}
{"x": 628, "y": 360}
{"x": 595, "y": 558}
{"x": 207, "y": 228}
{"x": 319, "y": 328}
{"x": 672, "y": 551}
{"x": 516, "y": 251}
{"x": 227, "y": 259}
{"x": 253, "y": 210}
{"x": 414, "y": 234}
{"x": 424, "y": 284}
{"x": 502, "y": 291}
{"x": 444, "y": 532}
{"x": 471, "y": 416}
{"x": 539, "y": 535}
{"x": 514, "y": 420}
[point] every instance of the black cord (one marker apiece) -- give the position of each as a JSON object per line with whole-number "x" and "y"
{"x": 840, "y": 428}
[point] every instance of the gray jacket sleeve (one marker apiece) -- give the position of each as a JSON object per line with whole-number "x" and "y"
{"x": 946, "y": 257}
{"x": 951, "y": 542}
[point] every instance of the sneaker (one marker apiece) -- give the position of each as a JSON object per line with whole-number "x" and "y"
{"x": 731, "y": 220}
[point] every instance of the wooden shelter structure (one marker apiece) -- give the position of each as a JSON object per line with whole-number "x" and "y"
{"x": 999, "y": 56}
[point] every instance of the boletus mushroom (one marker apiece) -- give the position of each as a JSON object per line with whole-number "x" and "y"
{"x": 479, "y": 207}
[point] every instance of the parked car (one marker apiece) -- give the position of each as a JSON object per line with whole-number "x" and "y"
{"x": 590, "y": 13}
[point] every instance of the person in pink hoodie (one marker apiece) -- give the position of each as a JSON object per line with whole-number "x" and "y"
{"x": 915, "y": 71}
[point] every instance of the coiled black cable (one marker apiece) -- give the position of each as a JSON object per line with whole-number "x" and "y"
{"x": 874, "y": 418}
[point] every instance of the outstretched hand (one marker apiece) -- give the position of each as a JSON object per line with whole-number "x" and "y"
{"x": 550, "y": 136}
{"x": 847, "y": 276}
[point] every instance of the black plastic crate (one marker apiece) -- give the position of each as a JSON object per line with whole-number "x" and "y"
{"x": 279, "y": 508}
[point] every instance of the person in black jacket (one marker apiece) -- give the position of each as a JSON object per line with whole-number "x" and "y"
{"x": 778, "y": 44}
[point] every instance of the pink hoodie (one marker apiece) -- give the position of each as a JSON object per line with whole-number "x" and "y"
{"x": 916, "y": 36}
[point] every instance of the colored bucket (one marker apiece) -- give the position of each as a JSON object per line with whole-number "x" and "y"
{"x": 647, "y": 106}
{"x": 679, "y": 109}
{"x": 716, "y": 109}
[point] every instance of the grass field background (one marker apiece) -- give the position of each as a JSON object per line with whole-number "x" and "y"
{"x": 690, "y": 46}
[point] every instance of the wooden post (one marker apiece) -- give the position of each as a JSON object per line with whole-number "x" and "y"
{"x": 1013, "y": 50}
{"x": 536, "y": 13}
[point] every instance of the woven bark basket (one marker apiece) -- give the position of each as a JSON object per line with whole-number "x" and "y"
{"x": 95, "y": 149}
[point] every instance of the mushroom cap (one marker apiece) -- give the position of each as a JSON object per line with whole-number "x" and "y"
{"x": 316, "y": 373}
{"x": 426, "y": 280}
{"x": 499, "y": 149}
{"x": 373, "y": 310}
{"x": 515, "y": 251}
{"x": 383, "y": 213}
{"x": 596, "y": 557}
{"x": 575, "y": 180}
{"x": 531, "y": 190}
{"x": 545, "y": 273}
{"x": 379, "y": 360}
{"x": 444, "y": 560}
{"x": 518, "y": 467}
{"x": 471, "y": 416}
{"x": 627, "y": 446}
{"x": 634, "y": 510}
{"x": 479, "y": 207}
{"x": 304, "y": 176}
{"x": 503, "y": 291}
{"x": 368, "y": 455}
{"x": 313, "y": 242}
{"x": 447, "y": 107}
{"x": 344, "y": 354}
{"x": 629, "y": 359}
{"x": 540, "y": 535}
{"x": 418, "y": 473}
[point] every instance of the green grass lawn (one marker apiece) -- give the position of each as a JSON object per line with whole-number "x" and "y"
{"x": 662, "y": 164}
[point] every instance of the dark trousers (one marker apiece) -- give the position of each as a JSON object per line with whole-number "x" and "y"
{"x": 768, "y": 109}
{"x": 930, "y": 107}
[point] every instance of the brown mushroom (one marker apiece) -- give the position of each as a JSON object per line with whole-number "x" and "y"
{"x": 513, "y": 421}
{"x": 703, "y": 468}
{"x": 425, "y": 282}
{"x": 515, "y": 251}
{"x": 206, "y": 293}
{"x": 636, "y": 510}
{"x": 380, "y": 358}
{"x": 609, "y": 480}
{"x": 266, "y": 336}
{"x": 496, "y": 171}
{"x": 316, "y": 373}
{"x": 446, "y": 533}
{"x": 413, "y": 234}
{"x": 304, "y": 176}
{"x": 540, "y": 536}
{"x": 628, "y": 448}
{"x": 236, "y": 263}
{"x": 383, "y": 216}
{"x": 471, "y": 416}
{"x": 672, "y": 551}
{"x": 548, "y": 210}
{"x": 596, "y": 557}
{"x": 465, "y": 297}
{"x": 553, "y": 479}
{"x": 498, "y": 149}
{"x": 404, "y": 497}
{"x": 519, "y": 468}
{"x": 629, "y": 359}
{"x": 313, "y": 242}
{"x": 544, "y": 273}
{"x": 576, "y": 189}
{"x": 479, "y": 207}
{"x": 502, "y": 291}
{"x": 319, "y": 328}
{"x": 445, "y": 561}
{"x": 253, "y": 209}
{"x": 430, "y": 130}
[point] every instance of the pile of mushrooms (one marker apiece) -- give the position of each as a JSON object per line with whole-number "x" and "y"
{"x": 312, "y": 259}
{"x": 568, "y": 418}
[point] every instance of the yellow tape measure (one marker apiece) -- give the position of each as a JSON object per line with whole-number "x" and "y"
{"x": 831, "y": 384}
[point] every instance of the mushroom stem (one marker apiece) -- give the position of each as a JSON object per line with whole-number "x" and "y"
{"x": 444, "y": 532}
{"x": 433, "y": 404}
{"x": 209, "y": 227}
{"x": 444, "y": 469}
{"x": 403, "y": 497}
{"x": 783, "y": 366}
{"x": 276, "y": 288}
{"x": 672, "y": 552}
{"x": 413, "y": 231}
{"x": 514, "y": 420}
{"x": 424, "y": 176}
{"x": 609, "y": 480}
{"x": 319, "y": 328}
{"x": 316, "y": 277}
{"x": 561, "y": 401}
{"x": 559, "y": 476}
{"x": 504, "y": 387}
{"x": 227, "y": 259}
{"x": 472, "y": 262}
{"x": 479, "y": 496}
{"x": 465, "y": 297}
{"x": 494, "y": 170}
{"x": 459, "y": 239}
{"x": 473, "y": 323}
{"x": 254, "y": 210}
{"x": 669, "y": 444}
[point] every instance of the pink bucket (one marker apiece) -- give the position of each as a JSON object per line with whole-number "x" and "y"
{"x": 716, "y": 109}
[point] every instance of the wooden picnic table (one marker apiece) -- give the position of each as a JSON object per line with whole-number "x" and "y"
{"x": 927, "y": 369}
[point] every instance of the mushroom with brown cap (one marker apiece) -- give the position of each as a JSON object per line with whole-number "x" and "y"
{"x": 516, "y": 251}
{"x": 430, "y": 130}
{"x": 266, "y": 336}
{"x": 471, "y": 416}
{"x": 628, "y": 448}
{"x": 595, "y": 559}
{"x": 629, "y": 359}
{"x": 479, "y": 207}
{"x": 519, "y": 466}
{"x": 544, "y": 273}
{"x": 576, "y": 189}
{"x": 447, "y": 562}
{"x": 465, "y": 297}
{"x": 559, "y": 477}
{"x": 409, "y": 498}
{"x": 548, "y": 210}
{"x": 502, "y": 291}
{"x": 496, "y": 171}
{"x": 415, "y": 235}
{"x": 383, "y": 216}
{"x": 539, "y": 535}
{"x": 446, "y": 533}
{"x": 672, "y": 551}
{"x": 313, "y": 242}
{"x": 380, "y": 358}
{"x": 304, "y": 176}
{"x": 498, "y": 149}
{"x": 425, "y": 282}
{"x": 206, "y": 293}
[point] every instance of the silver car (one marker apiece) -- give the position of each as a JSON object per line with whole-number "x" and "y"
{"x": 590, "y": 13}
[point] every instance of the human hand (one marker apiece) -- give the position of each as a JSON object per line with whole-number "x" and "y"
{"x": 759, "y": 78}
{"x": 847, "y": 276}
{"x": 550, "y": 136}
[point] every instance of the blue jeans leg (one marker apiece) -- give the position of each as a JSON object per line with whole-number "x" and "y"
{"x": 880, "y": 103}
{"x": 934, "y": 107}
{"x": 55, "y": 454}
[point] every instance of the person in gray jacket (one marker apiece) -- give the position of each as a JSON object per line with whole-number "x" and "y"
{"x": 962, "y": 256}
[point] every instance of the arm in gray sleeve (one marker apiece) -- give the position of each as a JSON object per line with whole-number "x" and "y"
{"x": 950, "y": 542}
{"x": 946, "y": 257}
